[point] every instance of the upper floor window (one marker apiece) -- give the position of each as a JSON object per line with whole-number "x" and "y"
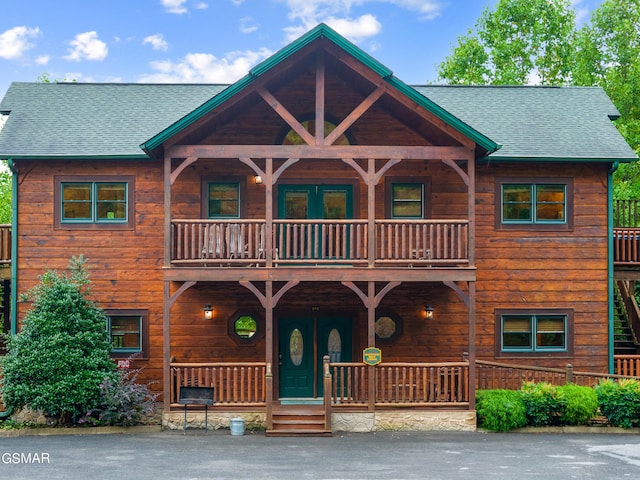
{"x": 407, "y": 197}
{"x": 541, "y": 203}
{"x": 223, "y": 200}
{"x": 94, "y": 202}
{"x": 534, "y": 203}
{"x": 546, "y": 331}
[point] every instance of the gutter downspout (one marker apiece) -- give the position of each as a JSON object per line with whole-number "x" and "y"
{"x": 614, "y": 167}
{"x": 14, "y": 257}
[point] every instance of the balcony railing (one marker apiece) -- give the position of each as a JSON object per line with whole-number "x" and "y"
{"x": 320, "y": 242}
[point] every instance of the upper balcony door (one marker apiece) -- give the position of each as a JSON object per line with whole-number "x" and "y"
{"x": 322, "y": 202}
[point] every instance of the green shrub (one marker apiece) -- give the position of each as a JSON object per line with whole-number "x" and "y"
{"x": 544, "y": 403}
{"x": 581, "y": 404}
{"x": 60, "y": 357}
{"x": 620, "y": 402}
{"x": 500, "y": 410}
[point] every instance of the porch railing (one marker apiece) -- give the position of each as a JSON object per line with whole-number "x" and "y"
{"x": 626, "y": 245}
{"x": 319, "y": 242}
{"x": 398, "y": 384}
{"x": 237, "y": 384}
{"x": 492, "y": 375}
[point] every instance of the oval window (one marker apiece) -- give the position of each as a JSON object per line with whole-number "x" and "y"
{"x": 296, "y": 347}
{"x": 334, "y": 346}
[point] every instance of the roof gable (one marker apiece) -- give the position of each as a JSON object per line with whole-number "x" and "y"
{"x": 322, "y": 31}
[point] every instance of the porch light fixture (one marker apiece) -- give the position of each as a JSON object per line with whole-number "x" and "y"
{"x": 429, "y": 312}
{"x": 258, "y": 179}
{"x": 208, "y": 312}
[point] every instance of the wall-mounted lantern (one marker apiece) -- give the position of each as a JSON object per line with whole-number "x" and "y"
{"x": 208, "y": 312}
{"x": 429, "y": 312}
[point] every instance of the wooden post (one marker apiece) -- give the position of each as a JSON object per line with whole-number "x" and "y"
{"x": 371, "y": 342}
{"x": 472, "y": 345}
{"x": 327, "y": 383}
{"x": 569, "y": 374}
{"x": 269, "y": 396}
{"x": 166, "y": 307}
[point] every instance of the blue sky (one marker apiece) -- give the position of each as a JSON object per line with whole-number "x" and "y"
{"x": 218, "y": 41}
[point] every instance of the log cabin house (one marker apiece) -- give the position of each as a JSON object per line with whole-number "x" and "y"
{"x": 326, "y": 246}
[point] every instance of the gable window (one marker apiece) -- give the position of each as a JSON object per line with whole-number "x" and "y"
{"x": 94, "y": 202}
{"x": 406, "y": 197}
{"x": 126, "y": 331}
{"x": 534, "y": 332}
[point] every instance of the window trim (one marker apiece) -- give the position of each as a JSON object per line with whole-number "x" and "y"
{"x": 129, "y": 224}
{"x": 426, "y": 195}
{"x": 204, "y": 196}
{"x": 545, "y": 352}
{"x": 533, "y": 225}
{"x": 144, "y": 331}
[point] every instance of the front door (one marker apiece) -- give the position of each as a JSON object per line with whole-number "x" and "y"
{"x": 303, "y": 342}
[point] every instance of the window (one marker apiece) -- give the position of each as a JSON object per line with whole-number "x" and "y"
{"x": 127, "y": 331}
{"x": 534, "y": 332}
{"x": 94, "y": 202}
{"x": 246, "y": 328}
{"x": 534, "y": 203}
{"x": 407, "y": 197}
{"x": 223, "y": 200}
{"x": 407, "y": 200}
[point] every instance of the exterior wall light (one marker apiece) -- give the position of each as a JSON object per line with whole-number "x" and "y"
{"x": 429, "y": 312}
{"x": 258, "y": 179}
{"x": 208, "y": 312}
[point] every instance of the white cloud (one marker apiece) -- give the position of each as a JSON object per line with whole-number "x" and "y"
{"x": 156, "y": 41}
{"x": 87, "y": 46}
{"x": 337, "y": 14}
{"x": 237, "y": 2}
{"x": 205, "y": 68}
{"x": 175, "y": 6}
{"x": 15, "y": 41}
{"x": 248, "y": 25}
{"x": 201, "y": 6}
{"x": 582, "y": 12}
{"x": 43, "y": 59}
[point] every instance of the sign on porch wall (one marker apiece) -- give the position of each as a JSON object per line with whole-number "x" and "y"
{"x": 372, "y": 356}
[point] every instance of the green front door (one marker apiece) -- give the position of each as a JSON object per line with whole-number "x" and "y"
{"x": 302, "y": 344}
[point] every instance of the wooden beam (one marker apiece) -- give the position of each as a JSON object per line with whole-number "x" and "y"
{"x": 463, "y": 296}
{"x": 320, "y": 93}
{"x": 371, "y": 300}
{"x": 354, "y": 115}
{"x": 463, "y": 175}
{"x": 187, "y": 161}
{"x": 286, "y": 116}
{"x": 428, "y": 152}
{"x": 185, "y": 286}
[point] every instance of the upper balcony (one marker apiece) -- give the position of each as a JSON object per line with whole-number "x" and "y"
{"x": 290, "y": 243}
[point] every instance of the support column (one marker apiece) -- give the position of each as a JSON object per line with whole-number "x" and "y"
{"x": 371, "y": 341}
{"x": 472, "y": 345}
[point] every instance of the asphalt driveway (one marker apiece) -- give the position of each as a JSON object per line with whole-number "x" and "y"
{"x": 387, "y": 455}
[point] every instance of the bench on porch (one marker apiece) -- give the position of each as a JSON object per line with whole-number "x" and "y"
{"x": 196, "y": 396}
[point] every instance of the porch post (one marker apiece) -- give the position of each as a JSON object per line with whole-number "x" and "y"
{"x": 371, "y": 341}
{"x": 371, "y": 218}
{"x": 166, "y": 307}
{"x": 472, "y": 345}
{"x": 269, "y": 350}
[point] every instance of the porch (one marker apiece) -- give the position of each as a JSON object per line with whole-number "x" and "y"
{"x": 356, "y": 397}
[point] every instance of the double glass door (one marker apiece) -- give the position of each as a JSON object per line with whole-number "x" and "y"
{"x": 319, "y": 241}
{"x": 303, "y": 342}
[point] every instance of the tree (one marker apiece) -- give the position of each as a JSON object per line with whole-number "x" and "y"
{"x": 60, "y": 358}
{"x": 5, "y": 195}
{"x": 518, "y": 42}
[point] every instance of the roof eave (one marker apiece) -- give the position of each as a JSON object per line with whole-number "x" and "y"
{"x": 498, "y": 158}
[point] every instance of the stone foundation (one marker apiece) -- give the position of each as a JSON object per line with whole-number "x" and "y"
{"x": 216, "y": 420}
{"x": 361, "y": 422}
{"x": 405, "y": 420}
